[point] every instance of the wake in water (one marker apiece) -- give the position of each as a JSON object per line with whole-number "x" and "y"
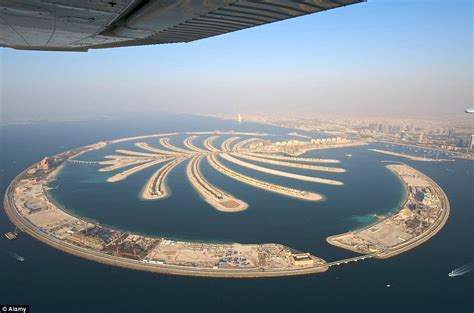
{"x": 14, "y": 255}
{"x": 462, "y": 270}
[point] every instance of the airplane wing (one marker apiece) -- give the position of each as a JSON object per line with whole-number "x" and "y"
{"x": 79, "y": 25}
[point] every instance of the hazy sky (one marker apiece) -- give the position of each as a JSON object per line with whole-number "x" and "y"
{"x": 395, "y": 57}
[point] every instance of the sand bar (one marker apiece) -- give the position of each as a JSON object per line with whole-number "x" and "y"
{"x": 282, "y": 190}
{"x": 165, "y": 142}
{"x": 188, "y": 143}
{"x": 136, "y": 153}
{"x": 133, "y": 170}
{"x": 156, "y": 187}
{"x": 289, "y": 158}
{"x": 281, "y": 173}
{"x": 225, "y": 146}
{"x": 119, "y": 163}
{"x": 216, "y": 197}
{"x": 145, "y": 146}
{"x": 208, "y": 144}
{"x": 410, "y": 157}
{"x": 288, "y": 164}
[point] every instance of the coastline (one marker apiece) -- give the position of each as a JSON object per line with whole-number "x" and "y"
{"x": 89, "y": 248}
{"x": 410, "y": 157}
{"x": 404, "y": 246}
{"x": 27, "y": 226}
{"x": 217, "y": 198}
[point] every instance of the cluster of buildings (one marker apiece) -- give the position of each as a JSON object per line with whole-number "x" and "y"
{"x": 318, "y": 141}
{"x": 33, "y": 204}
{"x": 297, "y": 147}
{"x": 44, "y": 165}
{"x": 232, "y": 261}
{"x": 451, "y": 134}
{"x": 217, "y": 256}
{"x": 444, "y": 138}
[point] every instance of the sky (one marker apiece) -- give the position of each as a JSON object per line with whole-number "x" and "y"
{"x": 380, "y": 57}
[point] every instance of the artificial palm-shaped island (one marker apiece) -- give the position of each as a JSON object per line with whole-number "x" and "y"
{"x": 28, "y": 205}
{"x": 235, "y": 150}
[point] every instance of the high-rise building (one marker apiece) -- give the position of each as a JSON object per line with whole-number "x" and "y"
{"x": 451, "y": 133}
{"x": 471, "y": 143}
{"x": 44, "y": 164}
{"x": 421, "y": 138}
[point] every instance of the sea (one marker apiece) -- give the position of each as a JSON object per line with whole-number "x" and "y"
{"x": 49, "y": 280}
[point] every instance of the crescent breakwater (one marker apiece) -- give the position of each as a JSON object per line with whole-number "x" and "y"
{"x": 57, "y": 228}
{"x": 29, "y": 207}
{"x": 423, "y": 214}
{"x": 410, "y": 157}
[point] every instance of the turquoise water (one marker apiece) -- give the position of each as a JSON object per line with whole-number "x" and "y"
{"x": 369, "y": 189}
{"x": 50, "y": 280}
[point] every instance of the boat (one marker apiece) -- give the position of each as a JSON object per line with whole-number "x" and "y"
{"x": 462, "y": 270}
{"x": 348, "y": 155}
{"x": 19, "y": 258}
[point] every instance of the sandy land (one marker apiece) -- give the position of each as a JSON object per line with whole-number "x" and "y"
{"x": 119, "y": 163}
{"x": 288, "y": 164}
{"x": 281, "y": 173}
{"x": 242, "y": 143}
{"x": 133, "y": 170}
{"x": 225, "y": 146}
{"x": 396, "y": 233}
{"x": 208, "y": 144}
{"x": 136, "y": 153}
{"x": 289, "y": 158}
{"x": 285, "y": 191}
{"x": 156, "y": 187}
{"x": 216, "y": 197}
{"x": 145, "y": 146}
{"x": 188, "y": 143}
{"x": 410, "y": 157}
{"x": 165, "y": 142}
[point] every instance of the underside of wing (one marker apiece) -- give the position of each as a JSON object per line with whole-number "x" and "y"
{"x": 79, "y": 25}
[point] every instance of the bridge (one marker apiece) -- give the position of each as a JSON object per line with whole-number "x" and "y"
{"x": 82, "y": 162}
{"x": 349, "y": 260}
